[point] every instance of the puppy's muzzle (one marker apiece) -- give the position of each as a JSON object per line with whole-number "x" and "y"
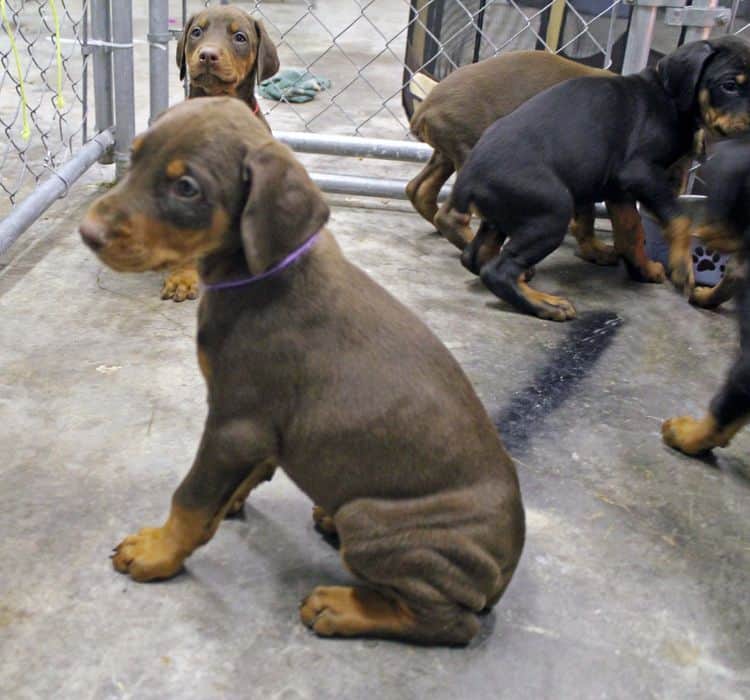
{"x": 93, "y": 233}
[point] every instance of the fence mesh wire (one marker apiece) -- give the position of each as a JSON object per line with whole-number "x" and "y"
{"x": 360, "y": 45}
{"x": 42, "y": 91}
{"x": 375, "y": 53}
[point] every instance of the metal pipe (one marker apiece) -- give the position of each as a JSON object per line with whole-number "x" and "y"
{"x": 365, "y": 186}
{"x": 698, "y": 33}
{"x": 384, "y": 149}
{"x": 54, "y": 187}
{"x": 102, "y": 58}
{"x": 122, "y": 34}
{"x": 158, "y": 57}
{"x": 385, "y": 188}
{"x": 640, "y": 36}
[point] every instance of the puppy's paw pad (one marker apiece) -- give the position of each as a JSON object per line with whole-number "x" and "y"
{"x": 151, "y": 554}
{"x": 181, "y": 285}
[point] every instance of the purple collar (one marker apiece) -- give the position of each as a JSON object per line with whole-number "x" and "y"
{"x": 286, "y": 262}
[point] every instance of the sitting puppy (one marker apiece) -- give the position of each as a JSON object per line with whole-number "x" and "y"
{"x": 458, "y": 109}
{"x": 312, "y": 366}
{"x": 223, "y": 51}
{"x": 728, "y": 230}
{"x": 534, "y": 169}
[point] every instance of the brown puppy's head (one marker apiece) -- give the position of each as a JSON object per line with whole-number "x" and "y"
{"x": 713, "y": 77}
{"x": 205, "y": 178}
{"x": 223, "y": 49}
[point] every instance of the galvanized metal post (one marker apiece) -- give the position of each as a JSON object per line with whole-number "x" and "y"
{"x": 101, "y": 33}
{"x": 698, "y": 33}
{"x": 158, "y": 55}
{"x": 640, "y": 36}
{"x": 122, "y": 38}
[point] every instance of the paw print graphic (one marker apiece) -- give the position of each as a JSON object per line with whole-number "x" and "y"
{"x": 709, "y": 266}
{"x": 706, "y": 259}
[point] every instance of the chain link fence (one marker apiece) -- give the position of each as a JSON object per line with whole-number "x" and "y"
{"x": 380, "y": 56}
{"x": 42, "y": 90}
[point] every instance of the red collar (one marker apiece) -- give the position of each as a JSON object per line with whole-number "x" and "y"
{"x": 256, "y": 109}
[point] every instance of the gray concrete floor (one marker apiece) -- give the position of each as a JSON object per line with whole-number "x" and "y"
{"x": 633, "y": 583}
{"x": 634, "y": 580}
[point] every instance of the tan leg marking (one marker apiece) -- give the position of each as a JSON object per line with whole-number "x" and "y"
{"x": 182, "y": 283}
{"x": 547, "y": 305}
{"x": 454, "y": 226}
{"x": 324, "y": 521}
{"x": 693, "y": 436}
{"x": 343, "y": 611}
{"x": 630, "y": 241}
{"x": 677, "y": 233}
{"x": 159, "y": 552}
{"x": 590, "y": 248}
{"x": 241, "y": 494}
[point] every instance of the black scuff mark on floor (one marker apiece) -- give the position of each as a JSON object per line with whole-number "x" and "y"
{"x": 558, "y": 378}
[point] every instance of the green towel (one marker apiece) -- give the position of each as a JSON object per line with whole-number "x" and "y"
{"x": 291, "y": 85}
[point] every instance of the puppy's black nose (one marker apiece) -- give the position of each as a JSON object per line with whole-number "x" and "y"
{"x": 93, "y": 233}
{"x": 208, "y": 54}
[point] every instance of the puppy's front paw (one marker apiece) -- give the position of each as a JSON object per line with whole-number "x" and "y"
{"x": 686, "y": 434}
{"x": 151, "y": 554}
{"x": 181, "y": 284}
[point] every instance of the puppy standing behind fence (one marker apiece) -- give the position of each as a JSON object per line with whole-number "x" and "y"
{"x": 222, "y": 51}
{"x": 457, "y": 110}
{"x": 534, "y": 169}
{"x": 347, "y": 391}
{"x": 728, "y": 230}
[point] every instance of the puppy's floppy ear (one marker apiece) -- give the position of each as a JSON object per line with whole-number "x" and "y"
{"x": 680, "y": 72}
{"x": 283, "y": 208}
{"x": 267, "y": 62}
{"x": 181, "y": 58}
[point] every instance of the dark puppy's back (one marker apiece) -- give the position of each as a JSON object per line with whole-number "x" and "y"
{"x": 580, "y": 126}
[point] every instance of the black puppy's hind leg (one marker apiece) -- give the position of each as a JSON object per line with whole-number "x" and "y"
{"x": 505, "y": 275}
{"x": 590, "y": 248}
{"x": 484, "y": 246}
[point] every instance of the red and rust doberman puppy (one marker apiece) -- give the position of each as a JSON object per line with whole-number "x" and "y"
{"x": 348, "y": 392}
{"x": 458, "y": 109}
{"x": 222, "y": 51}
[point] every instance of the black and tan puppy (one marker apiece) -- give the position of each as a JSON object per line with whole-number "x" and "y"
{"x": 312, "y": 366}
{"x": 592, "y": 139}
{"x": 727, "y": 230}
{"x": 222, "y": 51}
{"x": 458, "y": 109}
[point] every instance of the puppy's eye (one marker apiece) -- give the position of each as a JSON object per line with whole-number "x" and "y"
{"x": 240, "y": 38}
{"x": 186, "y": 187}
{"x": 730, "y": 86}
{"x": 196, "y": 32}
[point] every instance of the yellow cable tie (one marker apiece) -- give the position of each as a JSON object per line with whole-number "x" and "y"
{"x": 26, "y": 130}
{"x": 58, "y": 52}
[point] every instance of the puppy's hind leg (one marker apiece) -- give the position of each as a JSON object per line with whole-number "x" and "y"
{"x": 424, "y": 188}
{"x": 484, "y": 246}
{"x": 424, "y": 584}
{"x": 506, "y": 274}
{"x": 590, "y": 248}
